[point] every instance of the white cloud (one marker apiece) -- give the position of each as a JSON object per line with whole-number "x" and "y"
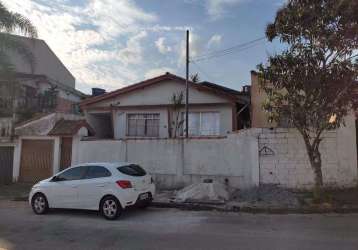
{"x": 159, "y": 28}
{"x": 132, "y": 53}
{"x": 158, "y": 71}
{"x": 87, "y": 37}
{"x": 214, "y": 41}
{"x": 114, "y": 17}
{"x": 162, "y": 48}
{"x": 216, "y": 8}
{"x": 195, "y": 47}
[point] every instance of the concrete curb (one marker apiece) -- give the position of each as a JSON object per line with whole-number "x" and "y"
{"x": 255, "y": 210}
{"x": 252, "y": 210}
{"x": 24, "y": 198}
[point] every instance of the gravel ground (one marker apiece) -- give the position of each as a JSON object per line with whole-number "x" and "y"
{"x": 267, "y": 196}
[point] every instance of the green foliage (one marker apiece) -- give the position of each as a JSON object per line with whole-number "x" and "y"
{"x": 315, "y": 78}
{"x": 11, "y": 22}
{"x": 14, "y": 23}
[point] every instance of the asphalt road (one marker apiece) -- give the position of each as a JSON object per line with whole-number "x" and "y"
{"x": 173, "y": 229}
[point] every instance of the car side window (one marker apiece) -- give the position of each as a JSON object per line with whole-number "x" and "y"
{"x": 97, "y": 172}
{"x": 72, "y": 174}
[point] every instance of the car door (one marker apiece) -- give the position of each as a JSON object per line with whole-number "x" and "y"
{"x": 64, "y": 190}
{"x": 93, "y": 186}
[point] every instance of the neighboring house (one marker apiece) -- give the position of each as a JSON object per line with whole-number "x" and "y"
{"x": 49, "y": 87}
{"x": 146, "y": 109}
{"x": 28, "y": 98}
{"x": 44, "y": 145}
{"x": 345, "y": 138}
{"x": 259, "y": 117}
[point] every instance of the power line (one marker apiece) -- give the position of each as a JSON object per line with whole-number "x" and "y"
{"x": 224, "y": 54}
{"x": 236, "y": 48}
{"x": 202, "y": 70}
{"x": 232, "y": 48}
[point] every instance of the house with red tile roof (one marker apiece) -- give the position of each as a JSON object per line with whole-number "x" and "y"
{"x": 147, "y": 110}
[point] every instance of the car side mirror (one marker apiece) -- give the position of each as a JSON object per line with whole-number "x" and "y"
{"x": 55, "y": 178}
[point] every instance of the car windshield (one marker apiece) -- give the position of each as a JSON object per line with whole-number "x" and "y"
{"x": 132, "y": 170}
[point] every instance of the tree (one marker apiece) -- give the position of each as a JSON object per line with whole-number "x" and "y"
{"x": 311, "y": 84}
{"x": 195, "y": 78}
{"x": 177, "y": 103}
{"x": 14, "y": 23}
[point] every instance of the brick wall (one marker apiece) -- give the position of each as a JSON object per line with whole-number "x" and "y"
{"x": 64, "y": 105}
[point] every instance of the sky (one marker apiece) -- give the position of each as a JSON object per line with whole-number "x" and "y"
{"x": 114, "y": 43}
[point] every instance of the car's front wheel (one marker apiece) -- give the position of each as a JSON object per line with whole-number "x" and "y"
{"x": 39, "y": 203}
{"x": 110, "y": 208}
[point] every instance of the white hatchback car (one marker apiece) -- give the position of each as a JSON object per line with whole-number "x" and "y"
{"x": 107, "y": 187}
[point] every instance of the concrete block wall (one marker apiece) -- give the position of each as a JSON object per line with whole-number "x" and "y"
{"x": 289, "y": 166}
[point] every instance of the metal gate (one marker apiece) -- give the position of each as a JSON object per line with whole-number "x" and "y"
{"x": 36, "y": 160}
{"x": 6, "y": 164}
{"x": 66, "y": 152}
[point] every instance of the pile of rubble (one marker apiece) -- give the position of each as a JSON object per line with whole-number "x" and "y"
{"x": 214, "y": 193}
{"x": 206, "y": 192}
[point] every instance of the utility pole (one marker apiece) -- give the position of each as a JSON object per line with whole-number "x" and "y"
{"x": 187, "y": 87}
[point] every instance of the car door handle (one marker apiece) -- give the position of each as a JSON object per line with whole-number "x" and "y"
{"x": 74, "y": 186}
{"x": 100, "y": 185}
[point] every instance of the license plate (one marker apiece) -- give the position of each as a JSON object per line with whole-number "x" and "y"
{"x": 144, "y": 196}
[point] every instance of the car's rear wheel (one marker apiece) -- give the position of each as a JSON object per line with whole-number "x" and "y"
{"x": 110, "y": 208}
{"x": 39, "y": 204}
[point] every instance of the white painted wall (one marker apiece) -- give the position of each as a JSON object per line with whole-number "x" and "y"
{"x": 158, "y": 94}
{"x": 179, "y": 162}
{"x": 120, "y": 119}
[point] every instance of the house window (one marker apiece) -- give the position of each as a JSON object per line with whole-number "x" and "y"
{"x": 143, "y": 125}
{"x": 204, "y": 123}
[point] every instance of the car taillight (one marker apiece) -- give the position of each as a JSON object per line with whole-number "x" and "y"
{"x": 124, "y": 184}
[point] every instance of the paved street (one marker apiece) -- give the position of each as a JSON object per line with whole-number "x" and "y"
{"x": 173, "y": 229}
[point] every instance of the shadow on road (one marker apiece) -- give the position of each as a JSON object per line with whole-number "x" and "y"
{"x": 127, "y": 213}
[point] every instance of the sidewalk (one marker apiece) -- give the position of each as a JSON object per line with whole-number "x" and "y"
{"x": 263, "y": 200}
{"x": 15, "y": 191}
{"x": 270, "y": 200}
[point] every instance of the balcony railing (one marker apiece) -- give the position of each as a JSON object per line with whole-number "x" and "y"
{"x": 37, "y": 104}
